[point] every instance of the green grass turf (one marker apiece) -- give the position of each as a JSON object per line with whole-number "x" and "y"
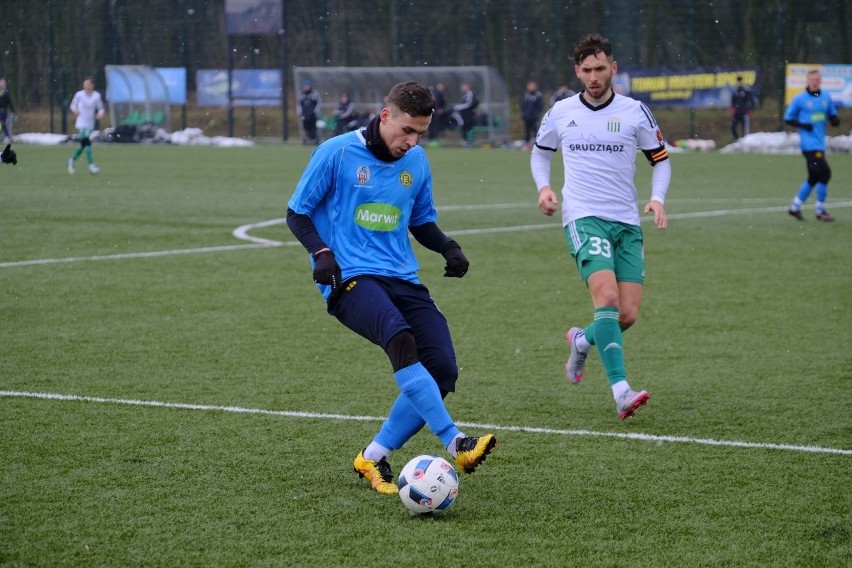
{"x": 744, "y": 337}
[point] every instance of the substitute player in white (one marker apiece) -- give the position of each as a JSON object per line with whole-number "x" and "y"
{"x": 88, "y": 106}
{"x": 598, "y": 132}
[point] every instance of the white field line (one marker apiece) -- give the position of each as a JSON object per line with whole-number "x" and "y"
{"x": 497, "y": 427}
{"x": 128, "y": 255}
{"x": 258, "y": 242}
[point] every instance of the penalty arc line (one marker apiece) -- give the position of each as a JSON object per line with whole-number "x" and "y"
{"x": 242, "y": 232}
{"x": 258, "y": 242}
{"x": 498, "y": 427}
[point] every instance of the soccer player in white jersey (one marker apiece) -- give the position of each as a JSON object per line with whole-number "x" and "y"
{"x": 598, "y": 132}
{"x": 87, "y": 105}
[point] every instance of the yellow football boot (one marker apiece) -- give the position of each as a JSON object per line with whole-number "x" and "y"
{"x": 470, "y": 452}
{"x": 378, "y": 473}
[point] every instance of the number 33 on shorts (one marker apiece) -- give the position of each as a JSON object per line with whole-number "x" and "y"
{"x": 600, "y": 247}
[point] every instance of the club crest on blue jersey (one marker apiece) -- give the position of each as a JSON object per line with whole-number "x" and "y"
{"x": 406, "y": 179}
{"x": 363, "y": 174}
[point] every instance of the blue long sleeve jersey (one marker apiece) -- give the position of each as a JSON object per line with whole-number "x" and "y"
{"x": 814, "y": 109}
{"x": 362, "y": 207}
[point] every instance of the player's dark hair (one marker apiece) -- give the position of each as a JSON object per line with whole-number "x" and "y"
{"x": 592, "y": 44}
{"x": 412, "y": 98}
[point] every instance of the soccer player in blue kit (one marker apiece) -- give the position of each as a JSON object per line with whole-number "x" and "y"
{"x": 808, "y": 112}
{"x": 360, "y": 195}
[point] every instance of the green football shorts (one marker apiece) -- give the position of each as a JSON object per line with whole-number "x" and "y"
{"x": 83, "y": 134}
{"x": 597, "y": 245}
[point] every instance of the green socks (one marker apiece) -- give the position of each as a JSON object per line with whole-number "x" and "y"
{"x": 80, "y": 150}
{"x": 606, "y": 334}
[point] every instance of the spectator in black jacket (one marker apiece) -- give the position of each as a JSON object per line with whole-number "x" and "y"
{"x": 464, "y": 113}
{"x": 441, "y": 115}
{"x": 344, "y": 115}
{"x": 531, "y": 108}
{"x": 307, "y": 107}
{"x": 742, "y": 104}
{"x": 6, "y": 110}
{"x": 563, "y": 92}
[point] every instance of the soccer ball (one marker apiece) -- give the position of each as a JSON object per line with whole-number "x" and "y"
{"x": 428, "y": 484}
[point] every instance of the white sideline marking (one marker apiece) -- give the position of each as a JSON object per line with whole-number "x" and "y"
{"x": 150, "y": 254}
{"x": 532, "y": 429}
{"x": 258, "y": 242}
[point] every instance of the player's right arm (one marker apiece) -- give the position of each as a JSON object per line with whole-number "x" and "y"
{"x": 314, "y": 185}
{"x": 309, "y": 192}
{"x": 546, "y": 143}
{"x": 548, "y": 203}
{"x": 791, "y": 116}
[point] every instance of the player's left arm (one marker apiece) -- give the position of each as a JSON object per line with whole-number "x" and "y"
{"x": 99, "y": 113}
{"x": 433, "y": 238}
{"x": 660, "y": 179}
{"x": 424, "y": 228}
{"x": 649, "y": 136}
{"x": 832, "y": 114}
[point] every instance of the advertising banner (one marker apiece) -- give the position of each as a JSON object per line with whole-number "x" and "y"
{"x": 693, "y": 88}
{"x": 175, "y": 79}
{"x": 254, "y": 17}
{"x": 249, "y": 87}
{"x": 836, "y": 81}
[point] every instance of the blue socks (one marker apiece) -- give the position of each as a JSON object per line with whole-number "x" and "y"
{"x": 424, "y": 404}
{"x": 402, "y": 423}
{"x": 805, "y": 191}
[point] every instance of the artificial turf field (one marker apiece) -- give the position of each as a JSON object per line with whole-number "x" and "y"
{"x": 174, "y": 394}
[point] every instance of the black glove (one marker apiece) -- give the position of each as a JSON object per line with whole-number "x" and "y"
{"x": 8, "y": 156}
{"x": 834, "y": 120}
{"x": 808, "y": 127}
{"x": 326, "y": 270}
{"x": 457, "y": 263}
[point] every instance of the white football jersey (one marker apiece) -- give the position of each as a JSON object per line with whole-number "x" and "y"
{"x": 89, "y": 106}
{"x": 599, "y": 152}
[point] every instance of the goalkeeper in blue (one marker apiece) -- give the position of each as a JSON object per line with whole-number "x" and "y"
{"x": 808, "y": 112}
{"x": 357, "y": 200}
{"x": 598, "y": 132}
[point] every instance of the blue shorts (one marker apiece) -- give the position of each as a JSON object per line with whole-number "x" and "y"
{"x": 379, "y": 308}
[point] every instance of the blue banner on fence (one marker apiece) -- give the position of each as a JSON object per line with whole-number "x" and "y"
{"x": 175, "y": 79}
{"x": 693, "y": 88}
{"x": 249, "y": 87}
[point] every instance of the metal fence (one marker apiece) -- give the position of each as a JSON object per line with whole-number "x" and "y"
{"x": 48, "y": 46}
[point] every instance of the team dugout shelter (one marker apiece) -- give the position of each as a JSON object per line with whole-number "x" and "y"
{"x": 137, "y": 95}
{"x": 368, "y": 86}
